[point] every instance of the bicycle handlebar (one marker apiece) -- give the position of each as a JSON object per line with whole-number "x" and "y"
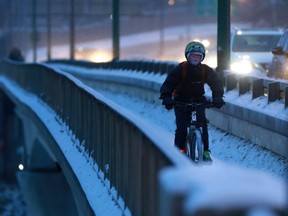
{"x": 193, "y": 105}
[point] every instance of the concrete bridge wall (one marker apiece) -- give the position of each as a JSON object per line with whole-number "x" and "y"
{"x": 48, "y": 183}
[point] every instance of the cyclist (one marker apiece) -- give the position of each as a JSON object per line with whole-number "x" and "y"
{"x": 186, "y": 84}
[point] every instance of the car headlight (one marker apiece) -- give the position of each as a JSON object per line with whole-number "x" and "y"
{"x": 242, "y": 67}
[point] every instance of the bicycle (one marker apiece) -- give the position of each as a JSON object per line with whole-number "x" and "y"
{"x": 194, "y": 145}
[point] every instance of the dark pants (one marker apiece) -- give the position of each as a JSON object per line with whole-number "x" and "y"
{"x": 183, "y": 117}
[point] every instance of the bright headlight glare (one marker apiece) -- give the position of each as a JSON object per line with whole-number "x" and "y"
{"x": 100, "y": 57}
{"x": 206, "y": 43}
{"x": 241, "y": 67}
{"x": 21, "y": 167}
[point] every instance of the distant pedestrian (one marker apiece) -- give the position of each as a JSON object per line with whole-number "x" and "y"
{"x": 16, "y": 55}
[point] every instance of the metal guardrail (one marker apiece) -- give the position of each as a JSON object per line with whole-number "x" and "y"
{"x": 274, "y": 90}
{"x": 110, "y": 138}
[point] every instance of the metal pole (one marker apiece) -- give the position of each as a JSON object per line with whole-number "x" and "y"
{"x": 72, "y": 30}
{"x": 34, "y": 31}
{"x": 223, "y": 37}
{"x": 115, "y": 29}
{"x": 49, "y": 30}
{"x": 161, "y": 44}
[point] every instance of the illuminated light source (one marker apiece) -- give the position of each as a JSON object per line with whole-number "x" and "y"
{"x": 93, "y": 55}
{"x": 171, "y": 2}
{"x": 21, "y": 167}
{"x": 239, "y": 32}
{"x": 100, "y": 57}
{"x": 242, "y": 67}
{"x": 206, "y": 43}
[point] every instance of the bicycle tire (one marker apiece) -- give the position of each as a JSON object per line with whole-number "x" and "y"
{"x": 199, "y": 148}
{"x": 190, "y": 145}
{"x": 194, "y": 146}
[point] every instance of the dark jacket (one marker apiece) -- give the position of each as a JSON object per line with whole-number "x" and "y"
{"x": 187, "y": 81}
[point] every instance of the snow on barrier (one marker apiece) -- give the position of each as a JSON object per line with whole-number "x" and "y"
{"x": 220, "y": 190}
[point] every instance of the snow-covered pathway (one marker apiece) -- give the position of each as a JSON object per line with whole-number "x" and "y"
{"x": 224, "y": 146}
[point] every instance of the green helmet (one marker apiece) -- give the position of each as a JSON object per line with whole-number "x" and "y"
{"x": 195, "y": 47}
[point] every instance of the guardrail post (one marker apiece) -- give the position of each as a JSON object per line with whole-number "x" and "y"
{"x": 244, "y": 85}
{"x": 150, "y": 66}
{"x": 273, "y": 91}
{"x": 231, "y": 82}
{"x": 257, "y": 88}
{"x": 130, "y": 65}
{"x": 139, "y": 66}
{"x": 163, "y": 68}
{"x": 286, "y": 97}
{"x": 133, "y": 65}
{"x": 145, "y": 66}
{"x": 157, "y": 67}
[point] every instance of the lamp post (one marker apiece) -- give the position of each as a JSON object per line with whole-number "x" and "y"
{"x": 161, "y": 44}
{"x": 34, "y": 31}
{"x": 49, "y": 29}
{"x": 72, "y": 30}
{"x": 115, "y": 29}
{"x": 223, "y": 37}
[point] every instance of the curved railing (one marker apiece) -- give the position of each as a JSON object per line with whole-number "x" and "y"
{"x": 273, "y": 89}
{"x": 110, "y": 138}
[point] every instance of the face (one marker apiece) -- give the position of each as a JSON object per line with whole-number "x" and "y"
{"x": 194, "y": 57}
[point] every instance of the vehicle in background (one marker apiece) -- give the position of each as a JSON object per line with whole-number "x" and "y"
{"x": 279, "y": 65}
{"x": 251, "y": 50}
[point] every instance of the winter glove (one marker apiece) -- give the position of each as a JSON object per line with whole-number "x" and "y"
{"x": 168, "y": 102}
{"x": 218, "y": 102}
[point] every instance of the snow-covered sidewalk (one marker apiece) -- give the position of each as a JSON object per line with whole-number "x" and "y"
{"x": 224, "y": 146}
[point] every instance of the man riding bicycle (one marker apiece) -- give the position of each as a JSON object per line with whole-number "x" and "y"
{"x": 186, "y": 84}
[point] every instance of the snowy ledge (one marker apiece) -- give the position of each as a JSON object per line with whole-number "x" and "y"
{"x": 102, "y": 200}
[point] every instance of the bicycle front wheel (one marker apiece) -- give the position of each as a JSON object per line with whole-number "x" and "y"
{"x": 191, "y": 145}
{"x": 199, "y": 149}
{"x": 194, "y": 146}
